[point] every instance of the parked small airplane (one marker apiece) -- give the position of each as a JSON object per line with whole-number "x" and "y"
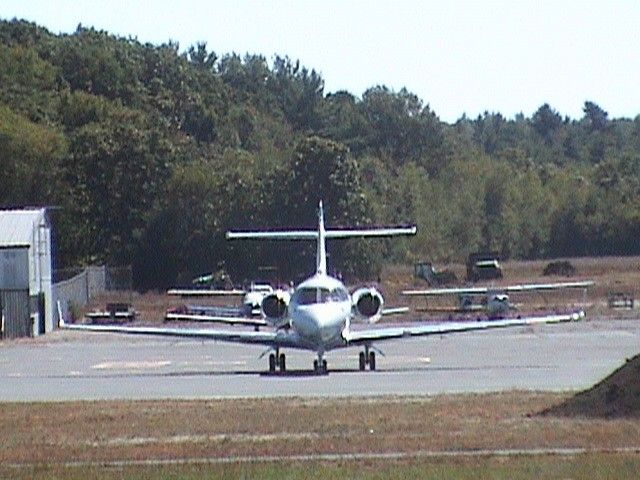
{"x": 318, "y": 315}
{"x": 494, "y": 300}
{"x": 250, "y": 310}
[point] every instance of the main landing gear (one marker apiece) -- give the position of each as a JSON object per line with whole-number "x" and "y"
{"x": 367, "y": 358}
{"x": 277, "y": 360}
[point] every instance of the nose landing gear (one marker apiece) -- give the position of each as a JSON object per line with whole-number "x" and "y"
{"x": 320, "y": 365}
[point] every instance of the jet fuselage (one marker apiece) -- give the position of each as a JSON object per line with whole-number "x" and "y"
{"x": 320, "y": 309}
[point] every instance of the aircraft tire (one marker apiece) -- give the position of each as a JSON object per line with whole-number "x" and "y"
{"x": 315, "y": 366}
{"x": 372, "y": 361}
{"x": 363, "y": 361}
{"x": 324, "y": 366}
{"x": 283, "y": 363}
{"x": 272, "y": 363}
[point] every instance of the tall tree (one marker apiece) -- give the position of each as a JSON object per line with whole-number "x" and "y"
{"x": 299, "y": 91}
{"x": 31, "y": 156}
{"x": 116, "y": 170}
{"x": 402, "y": 128}
{"x": 594, "y": 116}
{"x": 546, "y": 122}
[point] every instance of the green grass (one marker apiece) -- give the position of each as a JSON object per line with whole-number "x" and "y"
{"x": 94, "y": 439}
{"x": 587, "y": 466}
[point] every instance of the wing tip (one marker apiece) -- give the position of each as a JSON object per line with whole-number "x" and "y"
{"x": 61, "y": 322}
{"x": 577, "y": 316}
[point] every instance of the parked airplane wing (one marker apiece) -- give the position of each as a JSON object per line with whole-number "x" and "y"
{"x": 394, "y": 311}
{"x": 199, "y": 292}
{"x": 505, "y": 289}
{"x": 379, "y": 334}
{"x": 256, "y": 322}
{"x": 434, "y": 292}
{"x": 548, "y": 286}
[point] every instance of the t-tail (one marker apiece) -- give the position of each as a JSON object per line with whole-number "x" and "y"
{"x": 321, "y": 254}
{"x": 321, "y": 235}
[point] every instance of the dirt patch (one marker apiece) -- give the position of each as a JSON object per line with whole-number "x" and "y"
{"x": 617, "y": 396}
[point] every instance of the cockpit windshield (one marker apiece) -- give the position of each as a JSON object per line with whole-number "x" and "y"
{"x": 309, "y": 296}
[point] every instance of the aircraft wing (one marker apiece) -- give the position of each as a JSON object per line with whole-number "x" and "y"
{"x": 466, "y": 309}
{"x": 199, "y": 292}
{"x": 505, "y": 289}
{"x": 394, "y": 311}
{"x": 256, "y": 322}
{"x": 434, "y": 292}
{"x": 548, "y": 286}
{"x": 272, "y": 338}
{"x": 393, "y": 333}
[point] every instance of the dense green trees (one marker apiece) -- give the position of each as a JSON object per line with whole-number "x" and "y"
{"x": 150, "y": 155}
{"x": 31, "y": 157}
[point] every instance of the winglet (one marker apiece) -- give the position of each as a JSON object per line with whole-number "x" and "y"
{"x": 61, "y": 323}
{"x": 577, "y": 316}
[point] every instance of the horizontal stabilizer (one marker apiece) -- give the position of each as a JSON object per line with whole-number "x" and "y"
{"x": 313, "y": 234}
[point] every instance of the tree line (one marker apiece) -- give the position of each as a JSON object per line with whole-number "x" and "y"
{"x": 149, "y": 155}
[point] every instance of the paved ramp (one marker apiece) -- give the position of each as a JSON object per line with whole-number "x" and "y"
{"x": 79, "y": 365}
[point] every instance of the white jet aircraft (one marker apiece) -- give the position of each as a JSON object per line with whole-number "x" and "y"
{"x": 251, "y": 306}
{"x": 318, "y": 315}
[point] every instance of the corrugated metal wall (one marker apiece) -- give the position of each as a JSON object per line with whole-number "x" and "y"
{"x": 15, "y": 312}
{"x": 80, "y": 289}
{"x": 29, "y": 229}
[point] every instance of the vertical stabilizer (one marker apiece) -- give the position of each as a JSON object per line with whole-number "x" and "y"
{"x": 321, "y": 255}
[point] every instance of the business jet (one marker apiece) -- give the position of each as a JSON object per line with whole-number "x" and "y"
{"x": 248, "y": 313}
{"x": 495, "y": 301}
{"x": 318, "y": 314}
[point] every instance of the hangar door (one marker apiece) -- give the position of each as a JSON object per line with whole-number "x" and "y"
{"x": 14, "y": 292}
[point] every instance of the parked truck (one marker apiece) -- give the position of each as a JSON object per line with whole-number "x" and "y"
{"x": 483, "y": 266}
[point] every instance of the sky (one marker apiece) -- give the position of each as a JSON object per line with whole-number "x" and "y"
{"x": 458, "y": 56}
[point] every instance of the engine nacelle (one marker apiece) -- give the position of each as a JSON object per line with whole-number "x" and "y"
{"x": 275, "y": 307}
{"x": 367, "y": 304}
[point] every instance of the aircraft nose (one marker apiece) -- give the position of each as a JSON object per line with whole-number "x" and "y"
{"x": 306, "y": 322}
{"x": 316, "y": 323}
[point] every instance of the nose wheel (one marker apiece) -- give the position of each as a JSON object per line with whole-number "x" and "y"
{"x": 320, "y": 365}
{"x": 367, "y": 358}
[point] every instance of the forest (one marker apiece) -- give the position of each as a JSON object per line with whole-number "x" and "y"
{"x": 147, "y": 154}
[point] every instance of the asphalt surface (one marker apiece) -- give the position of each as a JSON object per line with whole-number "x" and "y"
{"x": 81, "y": 365}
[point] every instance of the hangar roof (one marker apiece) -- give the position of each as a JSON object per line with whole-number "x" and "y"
{"x": 16, "y": 226}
